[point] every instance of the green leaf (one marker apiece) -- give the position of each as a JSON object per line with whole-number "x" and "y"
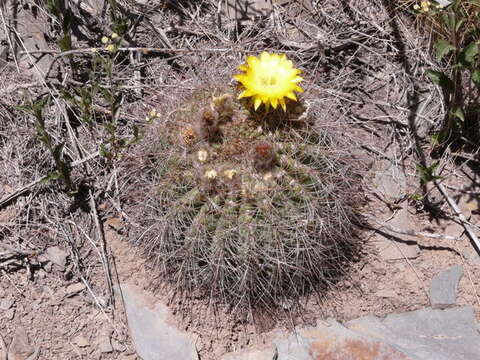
{"x": 57, "y": 151}
{"x": 427, "y": 173}
{"x": 435, "y": 139}
{"x": 449, "y": 20}
{"x": 65, "y": 42}
{"x": 467, "y": 56}
{"x": 474, "y": 2}
{"x": 443, "y": 47}
{"x": 459, "y": 24}
{"x": 476, "y": 77}
{"x": 441, "y": 79}
{"x": 458, "y": 112}
{"x": 54, "y": 175}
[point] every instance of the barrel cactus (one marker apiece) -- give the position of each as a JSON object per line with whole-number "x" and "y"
{"x": 251, "y": 209}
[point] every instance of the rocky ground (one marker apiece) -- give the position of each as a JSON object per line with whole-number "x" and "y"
{"x": 72, "y": 285}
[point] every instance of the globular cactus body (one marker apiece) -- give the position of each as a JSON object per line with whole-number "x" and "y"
{"x": 249, "y": 217}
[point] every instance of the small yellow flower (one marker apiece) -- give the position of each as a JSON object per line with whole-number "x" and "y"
{"x": 111, "y": 48}
{"x": 211, "y": 174}
{"x": 202, "y": 155}
{"x": 114, "y": 35}
{"x": 105, "y": 40}
{"x": 153, "y": 113}
{"x": 269, "y": 79}
{"x": 229, "y": 174}
{"x": 425, "y": 5}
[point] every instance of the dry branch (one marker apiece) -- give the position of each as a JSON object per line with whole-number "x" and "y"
{"x": 466, "y": 225}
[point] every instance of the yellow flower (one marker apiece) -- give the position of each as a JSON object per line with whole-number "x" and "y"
{"x": 111, "y": 48}
{"x": 229, "y": 174}
{"x": 202, "y": 155}
{"x": 269, "y": 79}
{"x": 211, "y": 174}
{"x": 105, "y": 40}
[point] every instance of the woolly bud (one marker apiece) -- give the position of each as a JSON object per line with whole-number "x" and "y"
{"x": 223, "y": 105}
{"x": 207, "y": 125}
{"x": 263, "y": 156}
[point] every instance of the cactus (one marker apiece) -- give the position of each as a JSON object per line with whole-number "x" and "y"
{"x": 249, "y": 210}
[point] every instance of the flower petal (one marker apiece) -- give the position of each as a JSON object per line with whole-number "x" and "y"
{"x": 274, "y": 102}
{"x": 257, "y": 103}
{"x": 299, "y": 89}
{"x": 269, "y": 79}
{"x": 291, "y": 95}
{"x": 245, "y": 93}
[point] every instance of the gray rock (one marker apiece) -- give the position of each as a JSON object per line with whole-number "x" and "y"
{"x": 20, "y": 348}
{"x": 443, "y": 287}
{"x": 117, "y": 346}
{"x": 426, "y": 334}
{"x": 390, "y": 182}
{"x": 105, "y": 345}
{"x": 472, "y": 257}
{"x": 9, "y": 314}
{"x": 154, "y": 336}
{"x": 331, "y": 340}
{"x": 81, "y": 341}
{"x": 390, "y": 179}
{"x": 6, "y": 304}
{"x": 32, "y": 29}
{"x": 74, "y": 289}
{"x": 57, "y": 256}
{"x": 386, "y": 293}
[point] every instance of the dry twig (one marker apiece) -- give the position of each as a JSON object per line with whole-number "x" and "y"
{"x": 466, "y": 225}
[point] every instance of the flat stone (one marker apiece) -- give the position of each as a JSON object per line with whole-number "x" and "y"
{"x": 472, "y": 257}
{"x": 453, "y": 229}
{"x": 10, "y": 314}
{"x": 386, "y": 293}
{"x": 443, "y": 287}
{"x": 74, "y": 289}
{"x": 81, "y": 341}
{"x": 390, "y": 179}
{"x": 32, "y": 28}
{"x": 330, "y": 340}
{"x": 3, "y": 349}
{"x": 247, "y": 9}
{"x": 405, "y": 247}
{"x": 20, "y": 348}
{"x": 117, "y": 346}
{"x": 105, "y": 345}
{"x": 153, "y": 334}
{"x": 426, "y": 334}
{"x": 264, "y": 353}
{"x": 6, "y": 304}
{"x": 57, "y": 256}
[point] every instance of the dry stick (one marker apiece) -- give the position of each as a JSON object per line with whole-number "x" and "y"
{"x": 12, "y": 88}
{"x": 458, "y": 212}
{"x": 105, "y": 262}
{"x": 408, "y": 232}
{"x": 3, "y": 349}
{"x": 89, "y": 289}
{"x": 21, "y": 191}
{"x": 27, "y": 187}
{"x": 8, "y": 34}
